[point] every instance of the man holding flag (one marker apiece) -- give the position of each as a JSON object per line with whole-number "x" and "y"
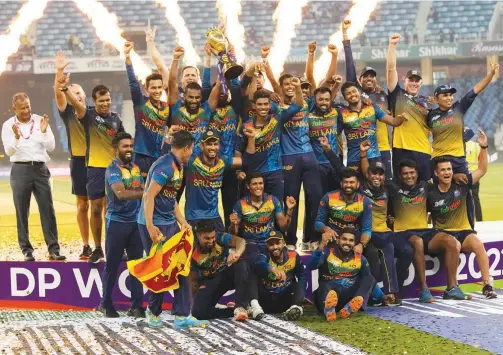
{"x": 157, "y": 222}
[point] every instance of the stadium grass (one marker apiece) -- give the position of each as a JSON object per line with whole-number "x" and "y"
{"x": 382, "y": 337}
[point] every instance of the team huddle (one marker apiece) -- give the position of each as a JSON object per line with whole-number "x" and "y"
{"x": 258, "y": 147}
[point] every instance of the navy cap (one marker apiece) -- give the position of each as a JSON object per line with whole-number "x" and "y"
{"x": 274, "y": 235}
{"x": 210, "y": 135}
{"x": 377, "y": 165}
{"x": 368, "y": 69}
{"x": 444, "y": 89}
{"x": 304, "y": 81}
{"x": 414, "y": 72}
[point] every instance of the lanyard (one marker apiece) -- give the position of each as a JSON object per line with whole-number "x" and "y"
{"x": 21, "y": 132}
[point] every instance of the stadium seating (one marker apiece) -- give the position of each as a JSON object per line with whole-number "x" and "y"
{"x": 9, "y": 10}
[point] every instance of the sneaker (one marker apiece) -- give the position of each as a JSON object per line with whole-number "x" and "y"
{"x": 136, "y": 312}
{"x": 153, "y": 320}
{"x": 389, "y": 299}
{"x": 455, "y": 293}
{"x": 96, "y": 256}
{"x": 330, "y": 303}
{"x": 293, "y": 313}
{"x": 351, "y": 307}
{"x": 314, "y": 245}
{"x": 240, "y": 314}
{"x": 306, "y": 247}
{"x": 86, "y": 252}
{"x": 110, "y": 312}
{"x": 397, "y": 302}
{"x": 489, "y": 292}
{"x": 255, "y": 312}
{"x": 189, "y": 322}
{"x": 377, "y": 297}
{"x": 425, "y": 296}
{"x": 29, "y": 256}
{"x": 56, "y": 256}
{"x": 291, "y": 247}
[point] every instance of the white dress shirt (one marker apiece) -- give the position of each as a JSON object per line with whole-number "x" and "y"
{"x": 30, "y": 146}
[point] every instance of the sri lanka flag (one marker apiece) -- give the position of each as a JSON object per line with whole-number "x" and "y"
{"x": 159, "y": 270}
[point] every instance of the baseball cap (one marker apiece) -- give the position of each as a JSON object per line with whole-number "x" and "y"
{"x": 377, "y": 165}
{"x": 274, "y": 235}
{"x": 304, "y": 81}
{"x": 414, "y": 72}
{"x": 368, "y": 69}
{"x": 210, "y": 135}
{"x": 444, "y": 89}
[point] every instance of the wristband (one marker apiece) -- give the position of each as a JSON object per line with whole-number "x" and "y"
{"x": 483, "y": 146}
{"x": 63, "y": 89}
{"x": 363, "y": 156}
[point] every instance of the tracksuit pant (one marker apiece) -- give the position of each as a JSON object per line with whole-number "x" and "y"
{"x": 181, "y": 302}
{"x": 274, "y": 184}
{"x": 404, "y": 254}
{"x": 272, "y": 302}
{"x": 383, "y": 241}
{"x": 230, "y": 194}
{"x": 211, "y": 290}
{"x": 302, "y": 169}
{"x": 120, "y": 236}
{"x": 362, "y": 287}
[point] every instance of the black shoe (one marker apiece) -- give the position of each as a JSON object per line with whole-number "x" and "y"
{"x": 29, "y": 256}
{"x": 489, "y": 292}
{"x": 55, "y": 256}
{"x": 86, "y": 252}
{"x": 96, "y": 256}
{"x": 109, "y": 312}
{"x": 136, "y": 312}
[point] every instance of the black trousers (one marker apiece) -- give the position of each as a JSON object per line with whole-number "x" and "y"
{"x": 476, "y": 202}
{"x": 280, "y": 302}
{"x": 26, "y": 179}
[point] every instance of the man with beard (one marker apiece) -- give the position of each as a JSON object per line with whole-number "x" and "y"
{"x": 77, "y": 146}
{"x": 447, "y": 122}
{"x": 368, "y": 84}
{"x": 216, "y": 269}
{"x": 205, "y": 172}
{"x": 158, "y": 220}
{"x": 124, "y": 190}
{"x": 448, "y": 203}
{"x": 151, "y": 114}
{"x": 358, "y": 120}
{"x": 345, "y": 282}
{"x": 282, "y": 281}
{"x": 100, "y": 125}
{"x": 410, "y": 140}
{"x": 256, "y": 76}
{"x": 409, "y": 200}
{"x": 268, "y": 127}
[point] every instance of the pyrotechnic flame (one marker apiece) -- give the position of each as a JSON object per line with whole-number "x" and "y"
{"x": 228, "y": 13}
{"x": 288, "y": 14}
{"x": 359, "y": 15}
{"x": 105, "y": 24}
{"x": 10, "y": 42}
{"x": 176, "y": 20}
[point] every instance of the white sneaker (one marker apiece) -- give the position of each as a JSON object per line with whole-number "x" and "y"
{"x": 293, "y": 313}
{"x": 314, "y": 245}
{"x": 291, "y": 247}
{"x": 255, "y": 312}
{"x": 306, "y": 247}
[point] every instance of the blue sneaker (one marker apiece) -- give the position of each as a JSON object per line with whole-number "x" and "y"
{"x": 189, "y": 322}
{"x": 455, "y": 293}
{"x": 425, "y": 296}
{"x": 153, "y": 320}
{"x": 377, "y": 297}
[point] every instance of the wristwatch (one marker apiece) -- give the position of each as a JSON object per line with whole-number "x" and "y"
{"x": 63, "y": 89}
{"x": 483, "y": 146}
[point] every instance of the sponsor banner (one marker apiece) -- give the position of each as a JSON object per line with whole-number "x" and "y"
{"x": 78, "y": 285}
{"x": 19, "y": 66}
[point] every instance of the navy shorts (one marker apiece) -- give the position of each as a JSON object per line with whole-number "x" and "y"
{"x": 144, "y": 162}
{"x": 95, "y": 183}
{"x": 219, "y": 225}
{"x": 461, "y": 235}
{"x": 386, "y": 160}
{"x": 423, "y": 162}
{"x": 78, "y": 173}
{"x": 426, "y": 234}
{"x": 459, "y": 165}
{"x": 380, "y": 239}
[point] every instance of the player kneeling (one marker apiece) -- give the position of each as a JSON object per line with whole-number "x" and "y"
{"x": 345, "y": 282}
{"x": 282, "y": 278}
{"x": 215, "y": 270}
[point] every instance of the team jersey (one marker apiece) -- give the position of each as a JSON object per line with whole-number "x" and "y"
{"x": 449, "y": 210}
{"x": 99, "y": 134}
{"x": 267, "y": 157}
{"x": 334, "y": 267}
{"x": 150, "y": 120}
{"x": 167, "y": 171}
{"x": 337, "y": 214}
{"x": 256, "y": 223}
{"x": 196, "y": 124}
{"x": 447, "y": 127}
{"x": 130, "y": 176}
{"x": 379, "y": 199}
{"x": 225, "y": 124}
{"x": 409, "y": 205}
{"x": 359, "y": 126}
{"x": 323, "y": 125}
{"x": 413, "y": 134}
{"x": 202, "y": 185}
{"x": 74, "y": 131}
{"x": 295, "y": 135}
{"x": 209, "y": 264}
{"x": 290, "y": 264}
